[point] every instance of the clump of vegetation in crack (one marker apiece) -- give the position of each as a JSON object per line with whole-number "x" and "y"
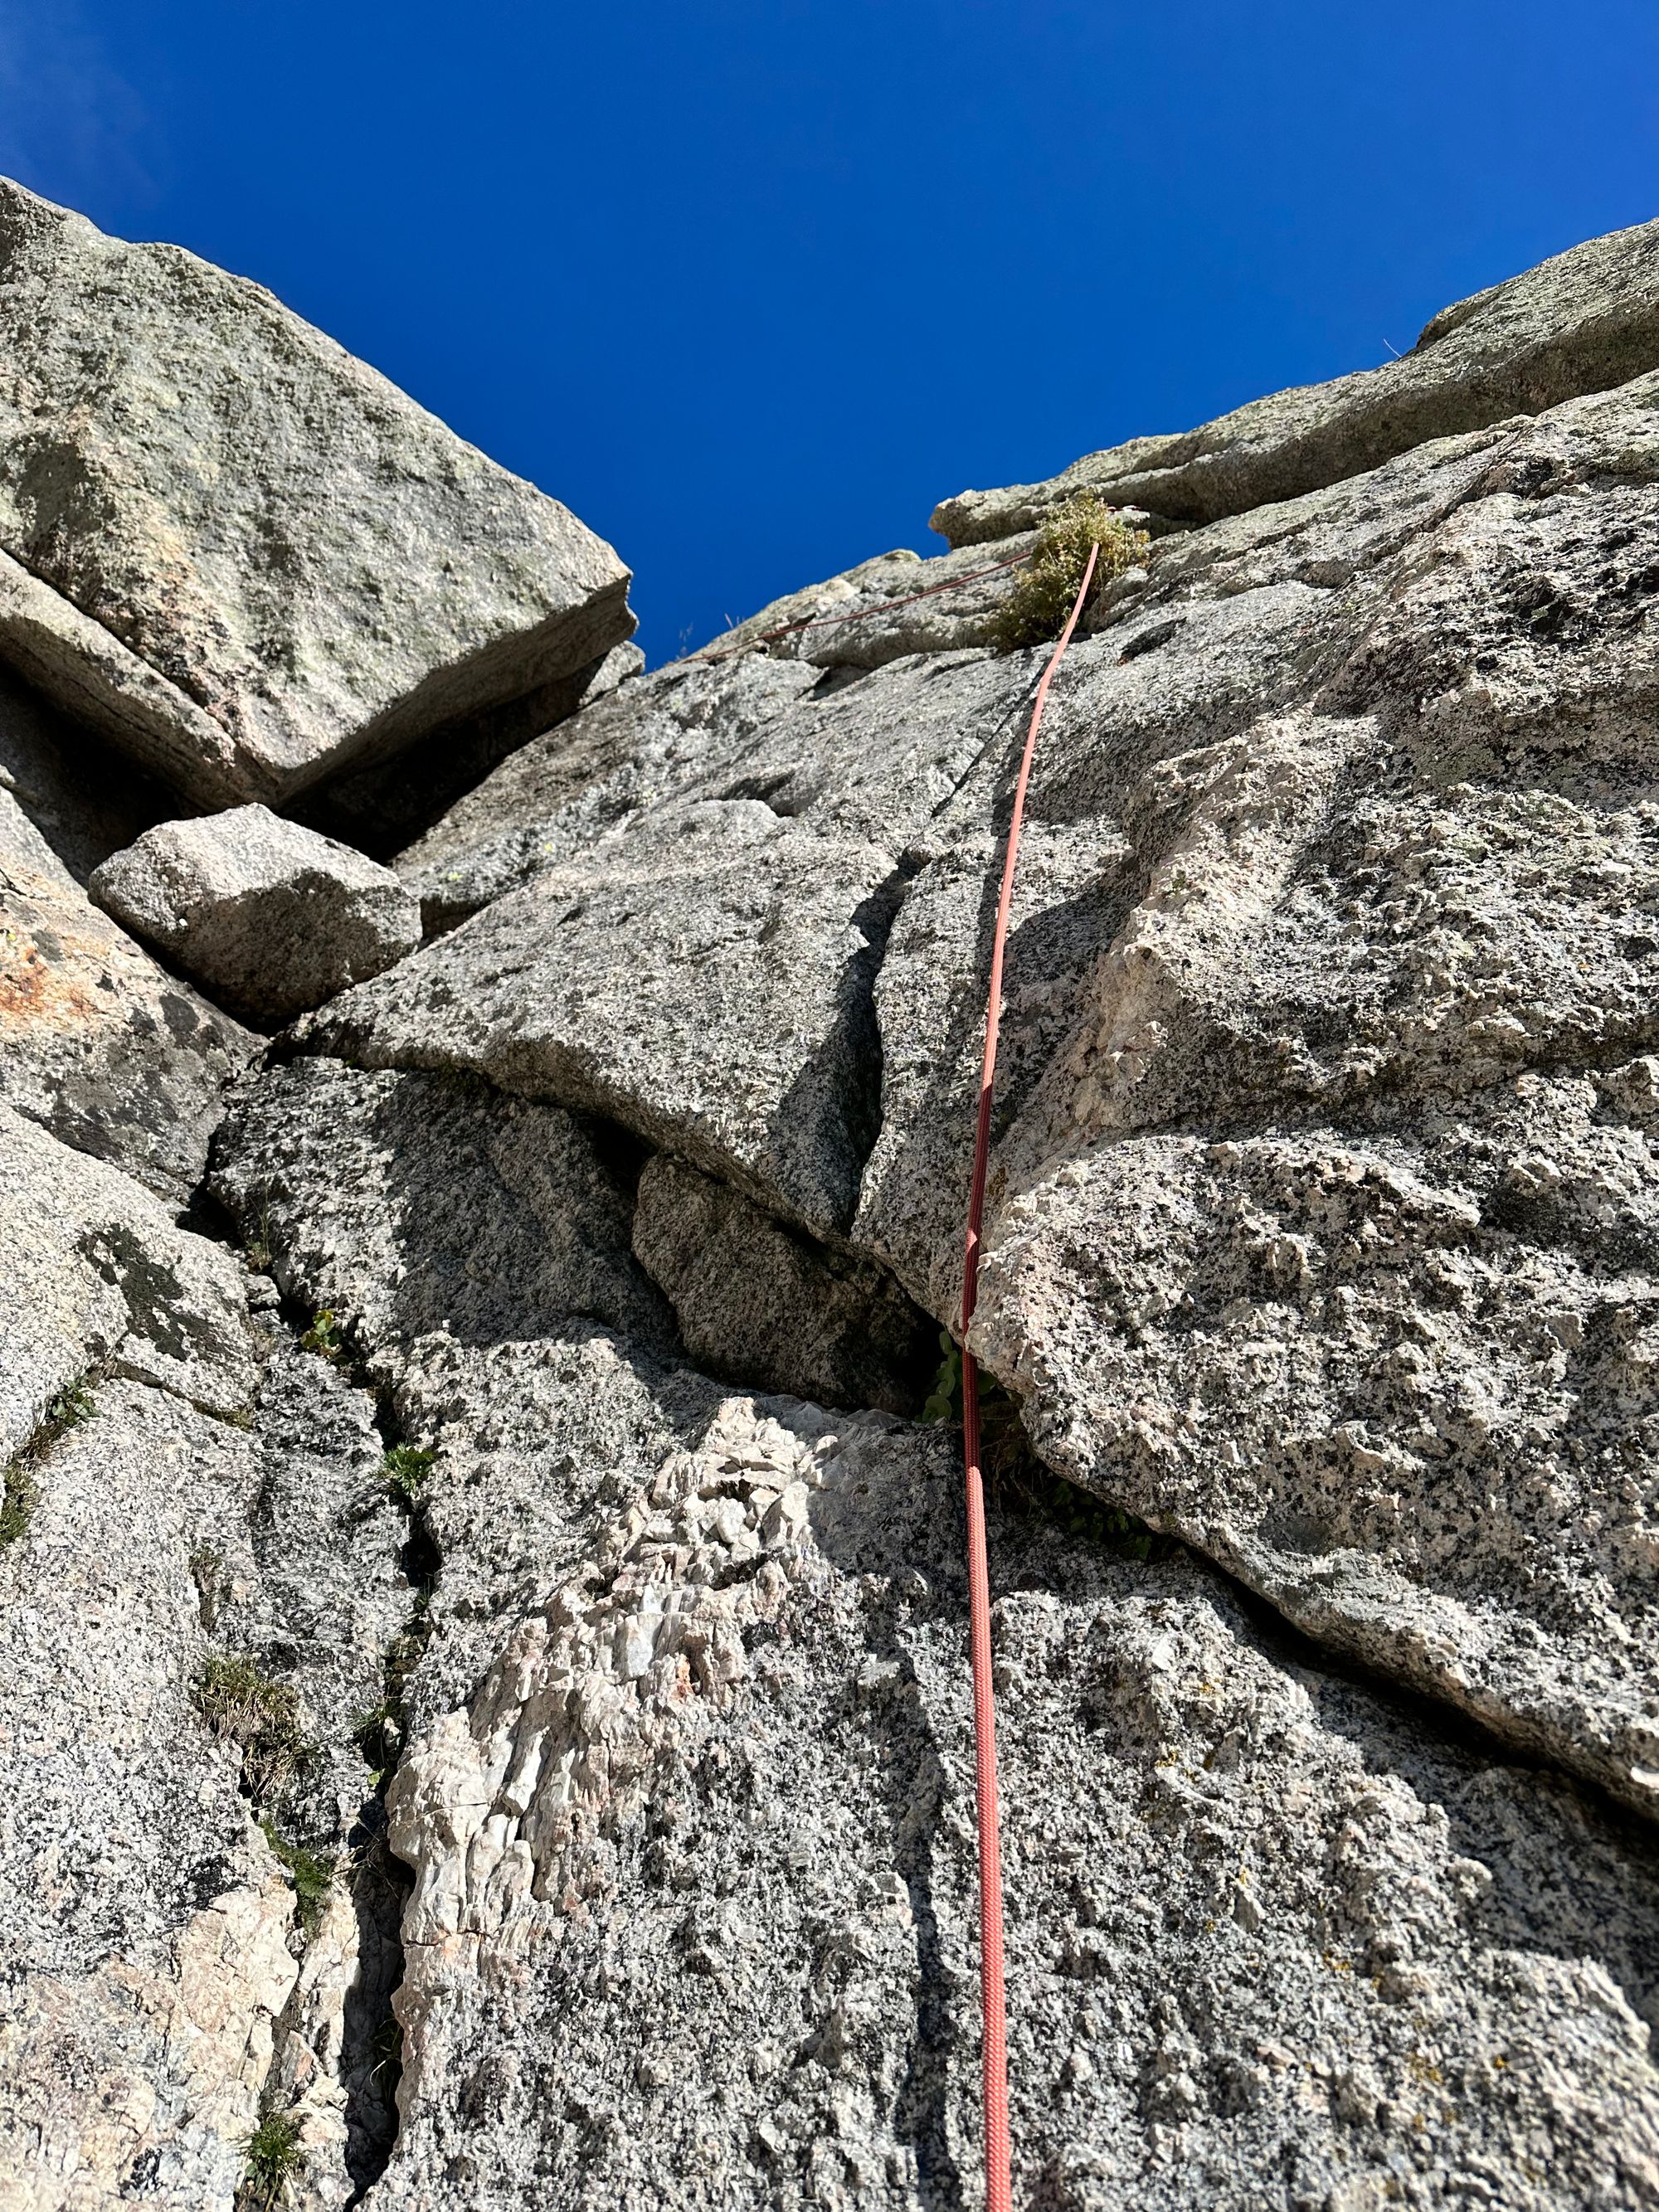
{"x": 67, "y": 1410}
{"x": 371, "y": 2056}
{"x": 260, "y": 1250}
{"x": 323, "y": 1336}
{"x": 273, "y": 2158}
{"x": 73, "y": 1405}
{"x": 1035, "y": 610}
{"x": 386, "y": 2049}
{"x": 405, "y": 1468}
{"x": 381, "y": 1732}
{"x": 1015, "y": 1478}
{"x": 247, "y": 1708}
{"x": 310, "y": 1876}
{"x": 17, "y": 1501}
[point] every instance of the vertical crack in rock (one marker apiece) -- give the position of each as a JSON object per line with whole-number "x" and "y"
{"x": 842, "y": 1083}
{"x": 371, "y": 2057}
{"x": 317, "y": 1627}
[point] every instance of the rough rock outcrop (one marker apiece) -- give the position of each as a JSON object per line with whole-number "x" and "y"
{"x": 688, "y": 1802}
{"x": 756, "y": 1300}
{"x": 1339, "y": 882}
{"x": 97, "y": 1043}
{"x": 1582, "y": 322}
{"x": 148, "y": 1924}
{"x": 267, "y": 915}
{"x": 533, "y": 1567}
{"x": 704, "y": 978}
{"x": 250, "y": 560}
{"x": 553, "y": 798}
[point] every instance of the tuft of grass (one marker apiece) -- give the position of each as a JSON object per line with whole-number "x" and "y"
{"x": 274, "y": 2157}
{"x": 405, "y": 1468}
{"x": 378, "y": 1736}
{"x": 311, "y": 1876}
{"x": 74, "y": 1403}
{"x": 258, "y": 1251}
{"x": 324, "y": 1337}
{"x": 1035, "y": 610}
{"x": 247, "y": 1708}
{"x": 386, "y": 2047}
{"x": 16, "y": 1503}
{"x": 1015, "y": 1477}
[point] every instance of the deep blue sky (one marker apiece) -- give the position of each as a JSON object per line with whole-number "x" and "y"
{"x": 751, "y": 286}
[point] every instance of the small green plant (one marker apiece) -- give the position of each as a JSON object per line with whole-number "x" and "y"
{"x": 247, "y": 1708}
{"x": 73, "y": 1404}
{"x": 324, "y": 1337}
{"x": 16, "y": 1503}
{"x": 378, "y": 1736}
{"x": 405, "y": 1468}
{"x": 274, "y": 2157}
{"x": 1005, "y": 1450}
{"x": 68, "y": 1410}
{"x": 312, "y": 1877}
{"x": 944, "y": 1401}
{"x": 1037, "y": 608}
{"x": 386, "y": 2045}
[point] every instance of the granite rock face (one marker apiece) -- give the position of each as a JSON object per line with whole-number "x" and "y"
{"x": 160, "y": 1449}
{"x": 267, "y": 915}
{"x": 757, "y": 1300}
{"x": 97, "y": 1043}
{"x": 551, "y": 798}
{"x": 689, "y": 1805}
{"x": 516, "y": 1736}
{"x": 272, "y": 564}
{"x": 703, "y": 978}
{"x": 1585, "y": 321}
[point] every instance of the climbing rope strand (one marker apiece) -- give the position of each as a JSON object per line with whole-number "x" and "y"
{"x": 994, "y": 2061}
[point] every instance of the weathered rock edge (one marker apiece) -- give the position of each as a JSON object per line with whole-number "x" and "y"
{"x": 242, "y": 554}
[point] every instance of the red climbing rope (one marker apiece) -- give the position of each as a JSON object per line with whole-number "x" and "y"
{"x": 996, "y": 2047}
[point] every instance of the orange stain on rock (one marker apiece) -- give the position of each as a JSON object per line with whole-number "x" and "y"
{"x": 33, "y": 992}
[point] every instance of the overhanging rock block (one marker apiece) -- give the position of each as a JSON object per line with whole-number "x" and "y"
{"x": 238, "y": 551}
